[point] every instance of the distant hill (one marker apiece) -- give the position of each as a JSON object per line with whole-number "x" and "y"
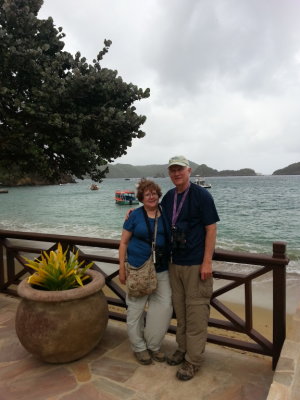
{"x": 161, "y": 171}
{"x": 17, "y": 178}
{"x": 140, "y": 171}
{"x": 293, "y": 169}
{"x": 204, "y": 170}
{"x": 239, "y": 172}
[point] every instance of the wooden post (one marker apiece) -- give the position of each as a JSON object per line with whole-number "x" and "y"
{"x": 248, "y": 306}
{"x": 1, "y": 264}
{"x": 279, "y": 301}
{"x": 10, "y": 262}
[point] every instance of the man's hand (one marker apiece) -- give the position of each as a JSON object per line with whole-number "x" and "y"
{"x": 128, "y": 213}
{"x": 205, "y": 271}
{"x": 210, "y": 241}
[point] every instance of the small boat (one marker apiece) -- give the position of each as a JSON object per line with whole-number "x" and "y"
{"x": 125, "y": 197}
{"x": 3, "y": 191}
{"x": 201, "y": 182}
{"x": 94, "y": 187}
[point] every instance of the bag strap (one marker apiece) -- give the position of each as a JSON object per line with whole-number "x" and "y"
{"x": 150, "y": 233}
{"x": 152, "y": 236}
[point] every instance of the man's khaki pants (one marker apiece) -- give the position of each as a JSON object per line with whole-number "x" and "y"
{"x": 191, "y": 297}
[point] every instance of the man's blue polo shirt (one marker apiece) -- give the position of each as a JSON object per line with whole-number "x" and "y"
{"x": 197, "y": 211}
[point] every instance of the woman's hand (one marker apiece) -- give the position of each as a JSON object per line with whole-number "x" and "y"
{"x": 122, "y": 275}
{"x": 126, "y": 236}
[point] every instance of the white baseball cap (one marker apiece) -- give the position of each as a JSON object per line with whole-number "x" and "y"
{"x": 179, "y": 160}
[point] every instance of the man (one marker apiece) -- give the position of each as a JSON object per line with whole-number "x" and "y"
{"x": 192, "y": 215}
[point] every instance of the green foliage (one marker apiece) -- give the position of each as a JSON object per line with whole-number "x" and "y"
{"x": 57, "y": 271}
{"x": 59, "y": 114}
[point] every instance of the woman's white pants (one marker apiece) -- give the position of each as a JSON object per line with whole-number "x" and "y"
{"x": 148, "y": 333}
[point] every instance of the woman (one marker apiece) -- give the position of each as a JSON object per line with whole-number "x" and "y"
{"x": 146, "y": 337}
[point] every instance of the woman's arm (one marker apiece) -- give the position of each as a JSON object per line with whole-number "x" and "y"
{"x": 126, "y": 236}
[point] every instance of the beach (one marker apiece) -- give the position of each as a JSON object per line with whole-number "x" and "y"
{"x": 262, "y": 300}
{"x": 262, "y": 321}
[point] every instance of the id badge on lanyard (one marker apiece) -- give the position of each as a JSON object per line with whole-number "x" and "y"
{"x": 176, "y": 211}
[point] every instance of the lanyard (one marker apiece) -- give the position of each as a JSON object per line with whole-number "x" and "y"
{"x": 176, "y": 211}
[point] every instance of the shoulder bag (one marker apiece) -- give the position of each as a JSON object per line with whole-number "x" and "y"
{"x": 142, "y": 281}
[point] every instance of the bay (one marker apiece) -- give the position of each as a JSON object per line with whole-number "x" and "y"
{"x": 254, "y": 211}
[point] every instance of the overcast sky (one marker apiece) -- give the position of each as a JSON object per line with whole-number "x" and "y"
{"x": 224, "y": 74}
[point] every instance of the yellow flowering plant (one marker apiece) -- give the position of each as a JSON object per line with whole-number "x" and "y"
{"x": 56, "y": 271}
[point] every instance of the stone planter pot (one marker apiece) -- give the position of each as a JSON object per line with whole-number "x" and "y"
{"x": 62, "y": 326}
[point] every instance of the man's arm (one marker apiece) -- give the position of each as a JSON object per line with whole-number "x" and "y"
{"x": 210, "y": 242}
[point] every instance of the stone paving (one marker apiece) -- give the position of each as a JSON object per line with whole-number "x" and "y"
{"x": 110, "y": 371}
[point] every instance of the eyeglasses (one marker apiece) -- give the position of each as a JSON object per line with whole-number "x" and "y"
{"x": 177, "y": 169}
{"x": 150, "y": 194}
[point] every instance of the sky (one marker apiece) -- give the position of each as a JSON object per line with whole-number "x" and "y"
{"x": 224, "y": 75}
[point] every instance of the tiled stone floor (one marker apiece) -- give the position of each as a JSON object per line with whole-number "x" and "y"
{"x": 110, "y": 372}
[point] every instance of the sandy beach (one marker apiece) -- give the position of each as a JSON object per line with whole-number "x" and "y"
{"x": 262, "y": 320}
{"x": 262, "y": 297}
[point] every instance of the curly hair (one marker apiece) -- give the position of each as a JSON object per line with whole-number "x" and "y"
{"x": 147, "y": 184}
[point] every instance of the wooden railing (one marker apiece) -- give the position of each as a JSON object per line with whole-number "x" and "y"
{"x": 12, "y": 269}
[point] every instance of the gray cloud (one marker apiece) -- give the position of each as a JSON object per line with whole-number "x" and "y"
{"x": 224, "y": 74}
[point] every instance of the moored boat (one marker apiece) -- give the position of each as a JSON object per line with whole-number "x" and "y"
{"x": 125, "y": 197}
{"x": 94, "y": 186}
{"x": 201, "y": 182}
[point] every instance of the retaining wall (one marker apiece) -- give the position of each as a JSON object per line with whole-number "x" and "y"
{"x": 286, "y": 381}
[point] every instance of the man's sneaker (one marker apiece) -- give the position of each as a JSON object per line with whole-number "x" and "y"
{"x": 143, "y": 357}
{"x": 176, "y": 358}
{"x": 186, "y": 371}
{"x": 157, "y": 355}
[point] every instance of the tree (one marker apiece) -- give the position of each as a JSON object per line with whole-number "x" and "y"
{"x": 58, "y": 114}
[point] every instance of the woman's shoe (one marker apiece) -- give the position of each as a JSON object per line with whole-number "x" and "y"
{"x": 157, "y": 355}
{"x": 143, "y": 357}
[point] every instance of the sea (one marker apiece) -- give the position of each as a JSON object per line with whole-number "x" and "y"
{"x": 254, "y": 211}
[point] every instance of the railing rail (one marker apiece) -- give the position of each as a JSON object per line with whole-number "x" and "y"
{"x": 12, "y": 269}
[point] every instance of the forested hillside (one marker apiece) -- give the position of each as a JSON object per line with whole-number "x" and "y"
{"x": 292, "y": 169}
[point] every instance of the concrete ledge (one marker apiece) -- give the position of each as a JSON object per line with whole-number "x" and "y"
{"x": 286, "y": 381}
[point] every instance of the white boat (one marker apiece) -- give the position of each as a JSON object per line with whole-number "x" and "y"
{"x": 201, "y": 182}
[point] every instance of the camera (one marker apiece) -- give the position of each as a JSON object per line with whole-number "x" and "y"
{"x": 160, "y": 255}
{"x": 178, "y": 239}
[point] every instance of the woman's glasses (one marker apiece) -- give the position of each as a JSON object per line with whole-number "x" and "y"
{"x": 150, "y": 194}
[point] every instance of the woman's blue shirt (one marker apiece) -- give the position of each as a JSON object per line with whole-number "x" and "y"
{"x": 139, "y": 250}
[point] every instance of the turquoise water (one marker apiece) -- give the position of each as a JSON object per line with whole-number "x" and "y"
{"x": 254, "y": 211}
